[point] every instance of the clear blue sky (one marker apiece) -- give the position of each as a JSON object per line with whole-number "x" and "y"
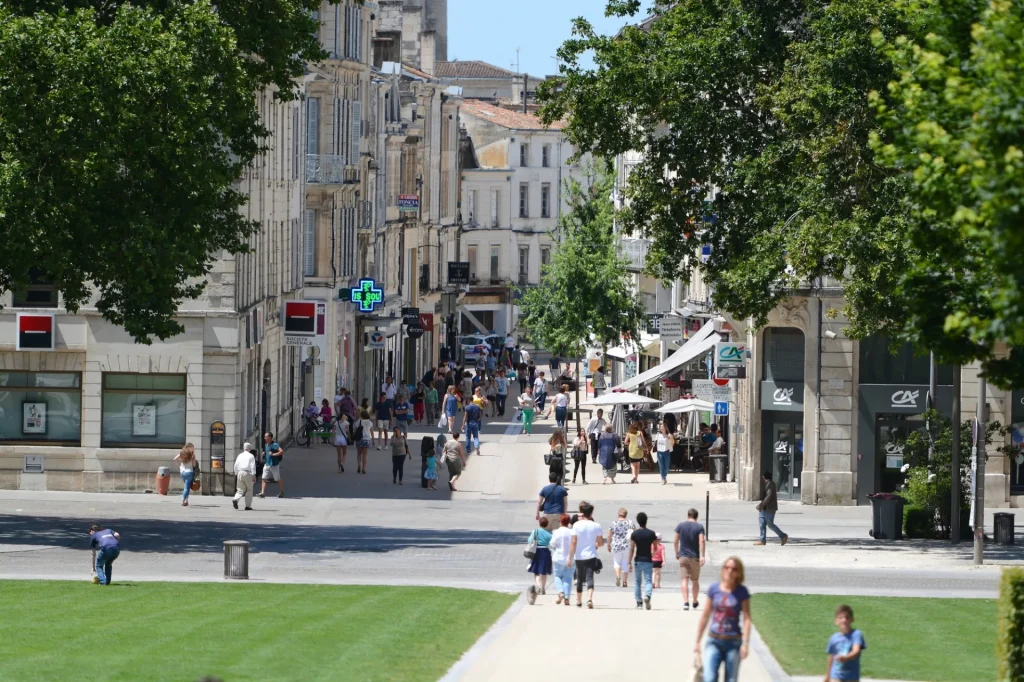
{"x": 491, "y": 30}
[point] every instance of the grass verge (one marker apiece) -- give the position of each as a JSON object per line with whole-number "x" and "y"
{"x": 926, "y": 640}
{"x": 184, "y": 631}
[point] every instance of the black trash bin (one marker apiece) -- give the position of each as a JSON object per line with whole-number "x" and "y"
{"x": 717, "y": 468}
{"x": 886, "y": 516}
{"x": 1004, "y": 528}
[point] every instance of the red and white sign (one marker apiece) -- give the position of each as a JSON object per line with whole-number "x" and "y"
{"x": 36, "y": 331}
{"x": 427, "y": 322}
{"x": 299, "y": 323}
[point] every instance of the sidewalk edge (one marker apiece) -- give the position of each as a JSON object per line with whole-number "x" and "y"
{"x": 775, "y": 671}
{"x": 462, "y": 666}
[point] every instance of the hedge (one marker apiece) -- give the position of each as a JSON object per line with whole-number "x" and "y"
{"x": 1011, "y": 626}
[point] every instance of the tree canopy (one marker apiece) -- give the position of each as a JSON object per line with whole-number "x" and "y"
{"x": 585, "y": 294}
{"x": 123, "y": 127}
{"x": 770, "y": 104}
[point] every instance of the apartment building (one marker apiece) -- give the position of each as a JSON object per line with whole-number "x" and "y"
{"x": 98, "y": 412}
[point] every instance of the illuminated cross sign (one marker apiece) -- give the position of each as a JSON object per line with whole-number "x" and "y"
{"x": 368, "y": 295}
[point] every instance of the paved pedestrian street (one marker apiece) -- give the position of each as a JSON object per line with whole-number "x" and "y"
{"x": 351, "y": 529}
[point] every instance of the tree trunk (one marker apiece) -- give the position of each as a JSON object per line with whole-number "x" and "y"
{"x": 579, "y": 377}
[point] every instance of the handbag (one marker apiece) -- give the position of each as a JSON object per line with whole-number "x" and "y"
{"x": 443, "y": 422}
{"x": 531, "y": 547}
{"x": 598, "y": 564}
{"x": 697, "y": 674}
{"x": 195, "y": 480}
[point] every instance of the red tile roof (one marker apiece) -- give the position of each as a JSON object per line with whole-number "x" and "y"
{"x": 514, "y": 120}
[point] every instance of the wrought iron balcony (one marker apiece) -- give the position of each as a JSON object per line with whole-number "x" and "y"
{"x": 634, "y": 251}
{"x": 326, "y": 169}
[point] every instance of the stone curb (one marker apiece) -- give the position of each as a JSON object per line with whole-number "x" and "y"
{"x": 475, "y": 652}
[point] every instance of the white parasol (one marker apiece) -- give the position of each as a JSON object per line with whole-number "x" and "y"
{"x": 623, "y": 398}
{"x": 687, "y": 405}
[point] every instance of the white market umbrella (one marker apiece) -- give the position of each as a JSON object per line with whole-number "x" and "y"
{"x": 687, "y": 405}
{"x": 623, "y": 398}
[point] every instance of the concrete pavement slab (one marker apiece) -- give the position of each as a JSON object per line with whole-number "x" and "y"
{"x": 548, "y": 640}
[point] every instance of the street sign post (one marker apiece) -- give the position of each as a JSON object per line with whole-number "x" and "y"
{"x": 672, "y": 328}
{"x": 730, "y": 360}
{"x": 709, "y": 391}
{"x": 721, "y": 409}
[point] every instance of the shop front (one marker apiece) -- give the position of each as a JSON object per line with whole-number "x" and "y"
{"x": 782, "y": 437}
{"x": 887, "y": 415}
{"x": 1016, "y": 453}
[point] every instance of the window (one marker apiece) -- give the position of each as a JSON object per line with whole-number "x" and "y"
{"x": 40, "y": 406}
{"x": 495, "y": 203}
{"x": 545, "y": 156}
{"x": 524, "y": 264}
{"x": 309, "y": 244}
{"x": 39, "y": 293}
{"x": 472, "y": 263}
{"x": 313, "y": 125}
{"x": 878, "y": 365}
{"x": 495, "y": 261}
{"x": 295, "y": 145}
{"x": 471, "y": 204}
{"x": 545, "y": 200}
{"x": 524, "y": 200}
{"x": 545, "y": 255}
{"x": 783, "y": 354}
{"x": 144, "y": 410}
{"x": 524, "y": 155}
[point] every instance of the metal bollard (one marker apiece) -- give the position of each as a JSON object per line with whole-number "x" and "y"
{"x": 236, "y": 559}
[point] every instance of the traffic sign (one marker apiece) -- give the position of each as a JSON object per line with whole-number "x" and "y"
{"x": 721, "y": 409}
{"x": 721, "y": 382}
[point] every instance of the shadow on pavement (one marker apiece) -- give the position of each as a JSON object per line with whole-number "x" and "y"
{"x": 943, "y": 548}
{"x": 168, "y": 536}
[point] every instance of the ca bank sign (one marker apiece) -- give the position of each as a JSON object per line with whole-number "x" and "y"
{"x": 729, "y": 354}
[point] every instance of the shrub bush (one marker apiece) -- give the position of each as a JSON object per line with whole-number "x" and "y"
{"x": 919, "y": 522}
{"x": 1011, "y": 626}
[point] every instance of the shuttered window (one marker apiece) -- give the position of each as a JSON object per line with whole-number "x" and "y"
{"x": 309, "y": 244}
{"x": 783, "y": 354}
{"x": 357, "y": 131}
{"x": 313, "y": 125}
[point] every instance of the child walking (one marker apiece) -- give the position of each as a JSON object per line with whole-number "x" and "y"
{"x": 658, "y": 559}
{"x": 431, "y": 472}
{"x": 844, "y": 649}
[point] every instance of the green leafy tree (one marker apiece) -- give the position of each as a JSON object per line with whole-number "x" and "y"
{"x": 123, "y": 127}
{"x": 954, "y": 132}
{"x": 586, "y": 295}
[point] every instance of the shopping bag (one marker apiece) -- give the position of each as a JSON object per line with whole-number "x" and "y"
{"x": 443, "y": 422}
{"x": 697, "y": 674}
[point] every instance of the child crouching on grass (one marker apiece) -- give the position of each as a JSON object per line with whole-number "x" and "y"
{"x": 844, "y": 649}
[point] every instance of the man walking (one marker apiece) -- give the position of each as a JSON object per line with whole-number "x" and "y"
{"x": 551, "y": 502}
{"x": 767, "y": 507}
{"x": 540, "y": 393}
{"x": 690, "y": 549}
{"x": 346, "y": 405}
{"x": 272, "y": 455}
{"x": 642, "y": 560}
{"x": 595, "y": 427}
{"x": 501, "y": 385}
{"x": 245, "y": 473}
{"x": 474, "y": 416}
{"x": 107, "y": 546}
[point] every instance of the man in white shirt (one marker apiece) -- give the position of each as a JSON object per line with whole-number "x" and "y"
{"x": 390, "y": 391}
{"x": 510, "y": 343}
{"x": 245, "y": 472}
{"x": 587, "y": 537}
{"x": 540, "y": 391}
{"x": 594, "y": 428}
{"x": 524, "y": 356}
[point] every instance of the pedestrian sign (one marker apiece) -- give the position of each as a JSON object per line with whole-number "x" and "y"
{"x": 721, "y": 409}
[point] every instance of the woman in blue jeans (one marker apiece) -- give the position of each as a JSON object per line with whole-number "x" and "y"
{"x": 187, "y": 465}
{"x": 664, "y": 443}
{"x": 560, "y": 544}
{"x": 727, "y": 643}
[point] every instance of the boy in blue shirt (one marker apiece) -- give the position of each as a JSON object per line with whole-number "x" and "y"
{"x": 106, "y": 547}
{"x": 844, "y": 648}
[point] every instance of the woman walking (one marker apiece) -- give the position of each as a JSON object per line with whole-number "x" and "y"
{"x": 363, "y": 443}
{"x": 558, "y": 452}
{"x": 727, "y": 642}
{"x": 540, "y": 565}
{"x": 430, "y": 398}
{"x": 562, "y": 406}
{"x": 580, "y": 446}
{"x": 399, "y": 453}
{"x": 618, "y": 545}
{"x": 664, "y": 442}
{"x": 188, "y": 465}
{"x": 455, "y": 458}
{"x": 419, "y": 398}
{"x": 561, "y": 541}
{"x": 342, "y": 433}
{"x": 491, "y": 393}
{"x": 637, "y": 448}
{"x": 526, "y": 404}
{"x": 607, "y": 444}
{"x": 451, "y": 408}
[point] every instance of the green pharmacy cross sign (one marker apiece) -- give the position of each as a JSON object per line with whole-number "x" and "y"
{"x": 368, "y": 295}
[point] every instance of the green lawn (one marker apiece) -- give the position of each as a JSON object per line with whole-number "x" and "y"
{"x": 926, "y": 640}
{"x": 183, "y": 631}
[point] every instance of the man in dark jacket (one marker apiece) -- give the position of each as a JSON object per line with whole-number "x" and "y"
{"x": 767, "y": 507}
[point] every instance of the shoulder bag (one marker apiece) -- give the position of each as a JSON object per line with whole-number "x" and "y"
{"x": 531, "y": 547}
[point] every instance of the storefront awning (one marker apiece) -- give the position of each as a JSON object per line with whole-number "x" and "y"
{"x": 702, "y": 342}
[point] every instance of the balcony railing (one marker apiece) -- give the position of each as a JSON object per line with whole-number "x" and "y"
{"x": 634, "y": 251}
{"x": 326, "y": 169}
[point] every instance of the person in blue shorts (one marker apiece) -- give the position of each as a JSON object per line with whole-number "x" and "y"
{"x": 844, "y": 649}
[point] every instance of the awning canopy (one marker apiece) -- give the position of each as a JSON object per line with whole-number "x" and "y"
{"x": 687, "y": 405}
{"x": 620, "y": 398}
{"x": 702, "y": 342}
